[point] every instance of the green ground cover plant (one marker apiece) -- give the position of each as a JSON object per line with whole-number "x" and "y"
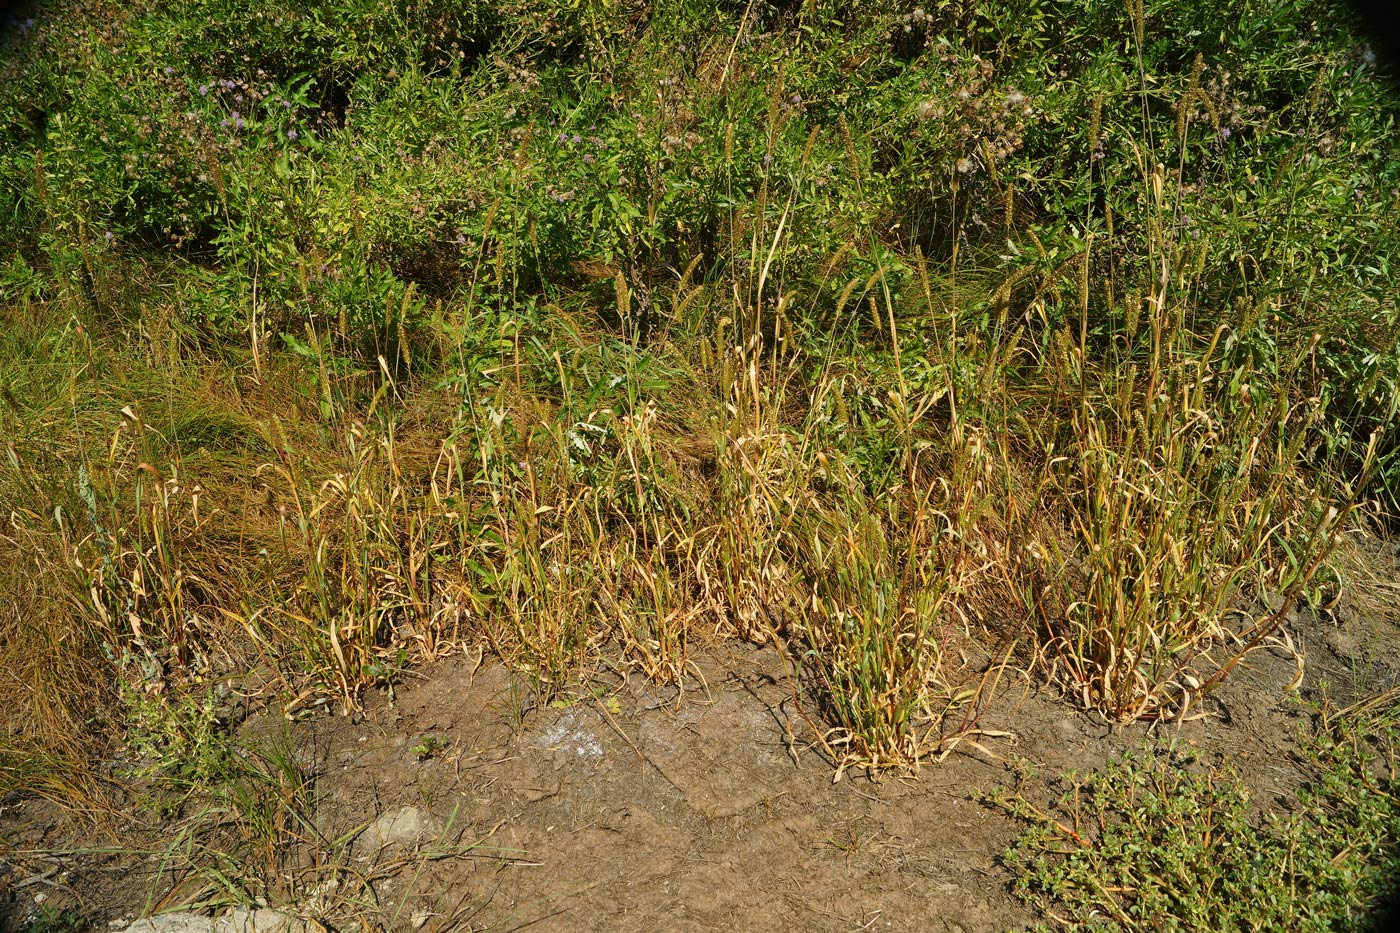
{"x": 339, "y": 334}
{"x": 1164, "y": 841}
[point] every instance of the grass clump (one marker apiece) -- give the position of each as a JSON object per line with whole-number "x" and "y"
{"x": 1179, "y": 493}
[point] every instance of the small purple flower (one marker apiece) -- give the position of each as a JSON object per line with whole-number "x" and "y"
{"x": 292, "y": 135}
{"x": 461, "y": 239}
{"x": 1224, "y": 132}
{"x": 204, "y": 90}
{"x": 238, "y": 98}
{"x": 286, "y": 105}
{"x": 576, "y": 138}
{"x": 588, "y": 158}
{"x": 229, "y": 85}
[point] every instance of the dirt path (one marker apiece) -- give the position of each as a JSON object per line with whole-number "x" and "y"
{"x": 634, "y": 811}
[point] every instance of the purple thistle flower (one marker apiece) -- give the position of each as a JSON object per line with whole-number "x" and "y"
{"x": 204, "y": 90}
{"x": 292, "y": 135}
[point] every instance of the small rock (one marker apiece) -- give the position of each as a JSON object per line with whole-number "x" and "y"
{"x": 264, "y": 920}
{"x": 406, "y": 826}
{"x": 181, "y": 921}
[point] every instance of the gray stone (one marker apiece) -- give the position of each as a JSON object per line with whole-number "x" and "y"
{"x": 259, "y": 920}
{"x": 180, "y": 921}
{"x": 405, "y": 827}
